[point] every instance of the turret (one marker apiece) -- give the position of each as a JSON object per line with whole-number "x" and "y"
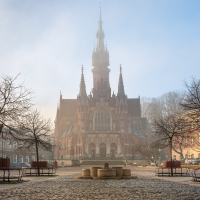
{"x": 82, "y": 96}
{"x": 121, "y": 97}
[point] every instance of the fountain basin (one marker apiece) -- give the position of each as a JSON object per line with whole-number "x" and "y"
{"x": 119, "y": 171}
{"x": 85, "y": 172}
{"x": 106, "y": 173}
{"x": 93, "y": 171}
{"x": 126, "y": 172}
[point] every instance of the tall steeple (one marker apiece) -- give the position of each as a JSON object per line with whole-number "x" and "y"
{"x": 100, "y": 36}
{"x": 100, "y": 57}
{"x": 121, "y": 84}
{"x": 121, "y": 97}
{"x": 82, "y": 91}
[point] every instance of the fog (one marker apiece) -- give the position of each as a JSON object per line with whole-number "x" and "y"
{"x": 157, "y": 44}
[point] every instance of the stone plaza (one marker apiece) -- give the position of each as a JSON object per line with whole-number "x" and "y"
{"x": 65, "y": 186}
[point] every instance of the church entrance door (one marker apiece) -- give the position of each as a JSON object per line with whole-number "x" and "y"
{"x": 113, "y": 150}
{"x": 93, "y": 153}
{"x": 102, "y": 150}
{"x": 112, "y": 153}
{"x": 92, "y": 150}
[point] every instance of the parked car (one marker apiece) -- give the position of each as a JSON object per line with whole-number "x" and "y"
{"x": 188, "y": 160}
{"x": 196, "y": 161}
{"x": 13, "y": 165}
{"x": 50, "y": 164}
{"x": 183, "y": 161}
{"x": 25, "y": 165}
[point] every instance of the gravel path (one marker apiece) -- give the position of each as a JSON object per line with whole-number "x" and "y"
{"x": 67, "y": 187}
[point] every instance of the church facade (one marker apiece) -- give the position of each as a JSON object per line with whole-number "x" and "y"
{"x": 100, "y": 124}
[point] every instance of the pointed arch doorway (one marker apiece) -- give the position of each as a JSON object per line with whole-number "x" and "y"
{"x": 92, "y": 150}
{"x": 113, "y": 150}
{"x": 102, "y": 150}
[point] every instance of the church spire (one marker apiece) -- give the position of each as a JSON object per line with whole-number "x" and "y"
{"x": 100, "y": 36}
{"x": 82, "y": 92}
{"x": 121, "y": 84}
{"x": 100, "y": 56}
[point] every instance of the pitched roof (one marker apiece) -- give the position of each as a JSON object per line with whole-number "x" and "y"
{"x": 145, "y": 124}
{"x": 136, "y": 131}
{"x": 68, "y": 107}
{"x": 134, "y": 107}
{"x": 68, "y": 131}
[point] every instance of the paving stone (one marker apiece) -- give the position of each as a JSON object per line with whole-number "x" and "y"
{"x": 68, "y": 187}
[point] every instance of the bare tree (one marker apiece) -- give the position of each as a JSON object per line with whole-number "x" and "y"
{"x": 162, "y": 107}
{"x": 192, "y": 96}
{"x": 34, "y": 132}
{"x": 15, "y": 100}
{"x": 166, "y": 105}
{"x": 144, "y": 150}
{"x": 167, "y": 130}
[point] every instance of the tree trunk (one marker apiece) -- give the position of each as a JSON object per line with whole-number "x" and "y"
{"x": 36, "y": 147}
{"x": 170, "y": 146}
{"x": 1, "y": 127}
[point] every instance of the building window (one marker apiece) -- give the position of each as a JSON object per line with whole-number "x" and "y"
{"x": 192, "y": 125}
{"x": 102, "y": 120}
{"x": 20, "y": 144}
{"x": 33, "y": 158}
{"x": 174, "y": 157}
{"x": 199, "y": 155}
{"x": 27, "y": 159}
{"x": 15, "y": 145}
{"x": 192, "y": 140}
{"x": 186, "y": 156}
{"x": 21, "y": 159}
{"x": 186, "y": 141}
{"x": 14, "y": 158}
{"x": 1, "y": 141}
{"x": 174, "y": 143}
{"x": 192, "y": 156}
{"x": 8, "y": 144}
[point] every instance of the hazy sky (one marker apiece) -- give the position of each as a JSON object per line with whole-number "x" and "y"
{"x": 156, "y": 41}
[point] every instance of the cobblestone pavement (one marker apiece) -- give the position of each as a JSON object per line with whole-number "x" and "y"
{"x": 67, "y": 187}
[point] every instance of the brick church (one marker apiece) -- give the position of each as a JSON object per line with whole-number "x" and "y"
{"x": 100, "y": 124}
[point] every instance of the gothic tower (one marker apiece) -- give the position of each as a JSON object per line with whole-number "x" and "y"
{"x": 100, "y": 62}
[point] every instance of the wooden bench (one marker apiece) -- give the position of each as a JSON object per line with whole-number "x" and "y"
{"x": 32, "y": 171}
{"x": 194, "y": 175}
{"x": 9, "y": 176}
{"x": 162, "y": 171}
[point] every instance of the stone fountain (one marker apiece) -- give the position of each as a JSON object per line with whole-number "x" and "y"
{"x": 106, "y": 173}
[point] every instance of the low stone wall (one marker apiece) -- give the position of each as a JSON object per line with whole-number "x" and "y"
{"x": 66, "y": 163}
{"x": 139, "y": 162}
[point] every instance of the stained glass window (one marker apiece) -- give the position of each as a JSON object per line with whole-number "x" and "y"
{"x": 102, "y": 120}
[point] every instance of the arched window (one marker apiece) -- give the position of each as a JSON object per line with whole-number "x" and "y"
{"x": 102, "y": 120}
